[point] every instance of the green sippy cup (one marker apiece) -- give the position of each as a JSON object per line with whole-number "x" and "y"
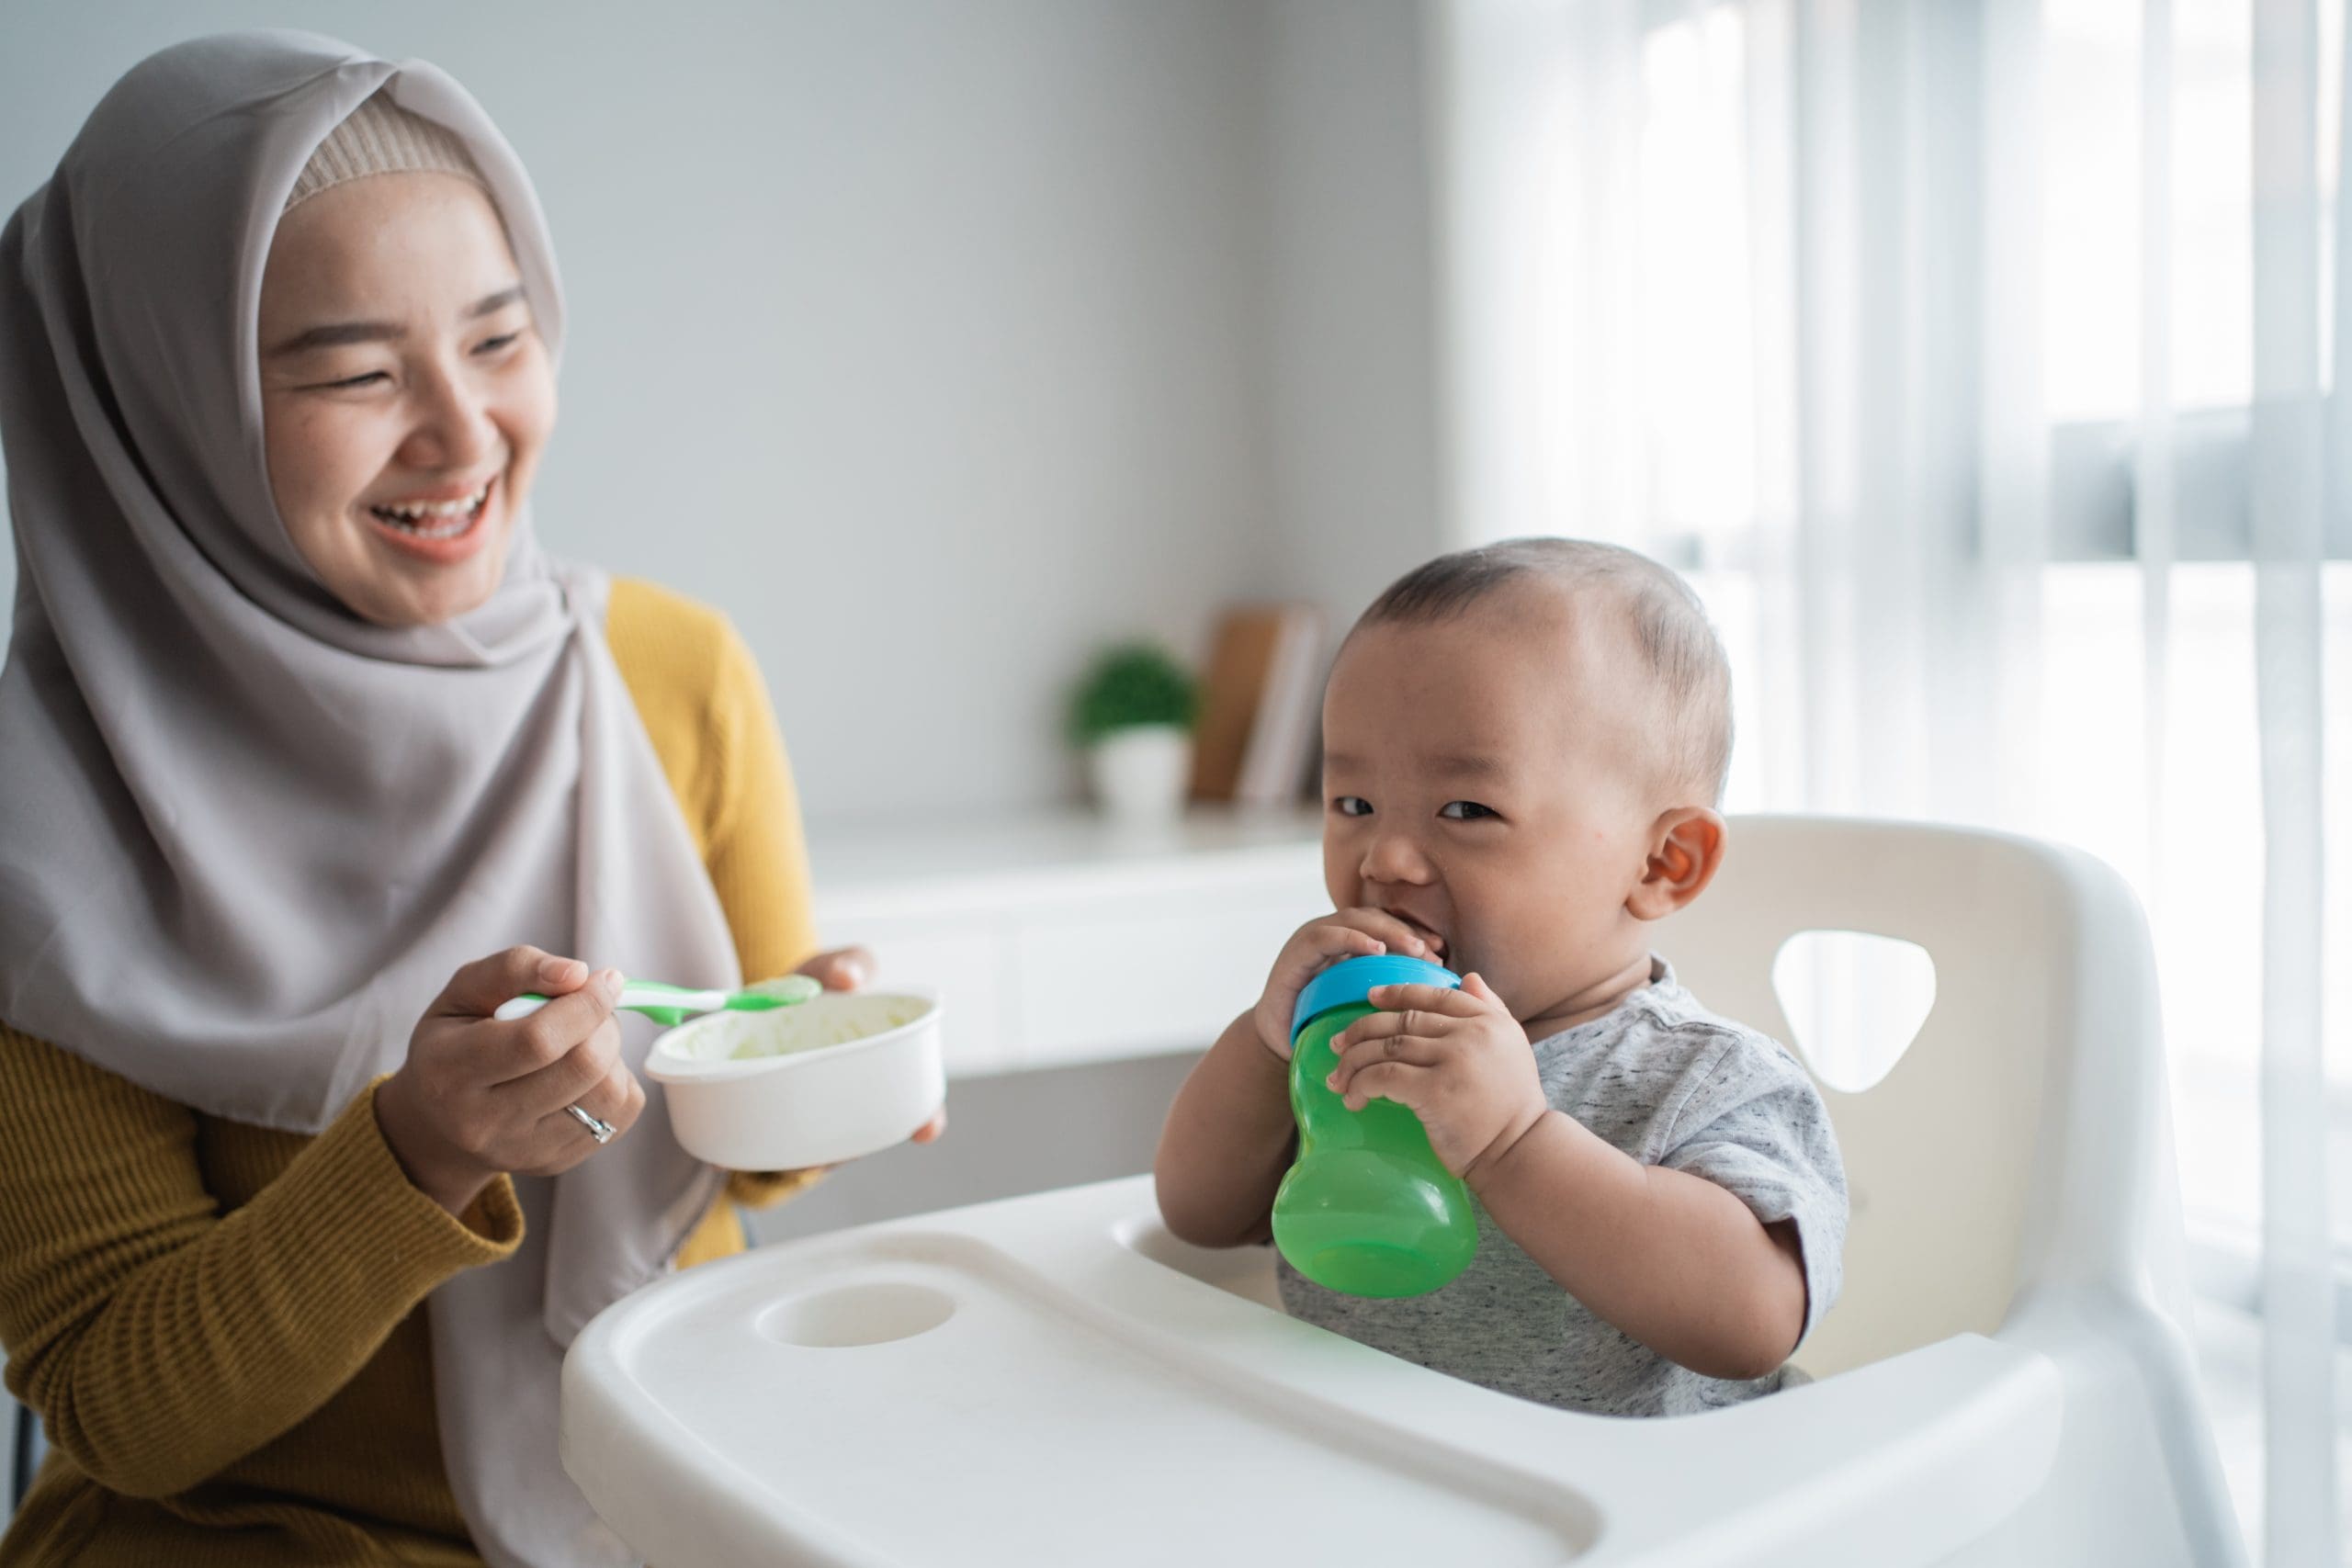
{"x": 1367, "y": 1209}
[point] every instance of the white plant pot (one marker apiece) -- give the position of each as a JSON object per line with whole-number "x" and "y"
{"x": 1140, "y": 774}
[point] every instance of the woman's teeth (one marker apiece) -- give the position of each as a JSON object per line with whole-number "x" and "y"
{"x": 435, "y": 519}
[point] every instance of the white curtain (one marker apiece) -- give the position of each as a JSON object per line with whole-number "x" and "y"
{"x": 1976, "y": 358}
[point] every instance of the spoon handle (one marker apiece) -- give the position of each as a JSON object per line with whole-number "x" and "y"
{"x": 638, "y": 996}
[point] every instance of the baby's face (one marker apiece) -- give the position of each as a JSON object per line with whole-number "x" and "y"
{"x": 1487, "y": 781}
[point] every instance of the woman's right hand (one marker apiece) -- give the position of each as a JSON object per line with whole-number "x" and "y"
{"x": 1315, "y": 947}
{"x": 477, "y": 1097}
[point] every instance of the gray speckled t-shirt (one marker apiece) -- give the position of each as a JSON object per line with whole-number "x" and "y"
{"x": 1671, "y": 1084}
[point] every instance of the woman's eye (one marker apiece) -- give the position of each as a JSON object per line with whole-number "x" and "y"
{"x": 1351, "y": 805}
{"x": 492, "y": 344}
{"x": 351, "y": 381}
{"x": 1465, "y": 810}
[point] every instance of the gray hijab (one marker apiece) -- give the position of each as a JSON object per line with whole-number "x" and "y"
{"x": 247, "y": 835}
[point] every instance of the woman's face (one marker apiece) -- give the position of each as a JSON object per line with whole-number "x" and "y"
{"x": 405, "y": 393}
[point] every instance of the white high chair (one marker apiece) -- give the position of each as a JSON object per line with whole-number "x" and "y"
{"x": 2004, "y": 1380}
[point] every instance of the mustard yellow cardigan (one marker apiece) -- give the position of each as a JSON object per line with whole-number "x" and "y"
{"x": 222, "y": 1325}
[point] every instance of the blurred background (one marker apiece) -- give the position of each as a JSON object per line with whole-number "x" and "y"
{"x": 1977, "y": 358}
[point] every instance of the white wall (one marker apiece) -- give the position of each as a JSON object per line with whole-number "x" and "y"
{"x": 936, "y": 341}
{"x": 1353, "y": 391}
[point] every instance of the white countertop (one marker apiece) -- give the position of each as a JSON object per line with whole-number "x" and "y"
{"x": 1014, "y": 858}
{"x": 1041, "y": 928}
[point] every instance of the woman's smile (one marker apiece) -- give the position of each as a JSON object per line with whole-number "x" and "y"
{"x": 443, "y": 525}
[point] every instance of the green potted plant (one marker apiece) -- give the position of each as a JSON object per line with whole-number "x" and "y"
{"x": 1132, "y": 714}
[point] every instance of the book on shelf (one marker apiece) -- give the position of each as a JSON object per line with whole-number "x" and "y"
{"x": 1261, "y": 696}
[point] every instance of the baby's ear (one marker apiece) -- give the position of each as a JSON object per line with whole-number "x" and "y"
{"x": 1686, "y": 848}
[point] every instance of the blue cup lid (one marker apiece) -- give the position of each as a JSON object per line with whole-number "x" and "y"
{"x": 1353, "y": 979}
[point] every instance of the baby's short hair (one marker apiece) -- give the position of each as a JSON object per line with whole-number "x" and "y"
{"x": 1678, "y": 646}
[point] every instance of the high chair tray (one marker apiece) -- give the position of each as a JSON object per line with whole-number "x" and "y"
{"x": 1056, "y": 1380}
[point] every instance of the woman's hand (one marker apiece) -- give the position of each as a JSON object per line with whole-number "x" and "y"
{"x": 842, "y": 969}
{"x": 477, "y": 1096}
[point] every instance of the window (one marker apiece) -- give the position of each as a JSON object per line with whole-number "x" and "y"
{"x": 2145, "y": 753}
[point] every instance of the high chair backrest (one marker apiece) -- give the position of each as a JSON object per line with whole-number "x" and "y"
{"x": 2021, "y": 1141}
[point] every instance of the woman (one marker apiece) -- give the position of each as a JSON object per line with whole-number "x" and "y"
{"x": 297, "y": 719}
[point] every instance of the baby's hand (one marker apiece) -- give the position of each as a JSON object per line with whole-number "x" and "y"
{"x": 1457, "y": 1059}
{"x": 1315, "y": 947}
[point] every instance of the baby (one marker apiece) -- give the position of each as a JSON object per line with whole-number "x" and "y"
{"x": 1522, "y": 749}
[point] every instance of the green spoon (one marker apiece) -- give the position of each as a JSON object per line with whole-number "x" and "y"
{"x": 668, "y": 1005}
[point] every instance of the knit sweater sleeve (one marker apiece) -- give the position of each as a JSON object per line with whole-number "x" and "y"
{"x": 161, "y": 1340}
{"x": 757, "y": 857}
{"x": 699, "y": 693}
{"x": 758, "y": 863}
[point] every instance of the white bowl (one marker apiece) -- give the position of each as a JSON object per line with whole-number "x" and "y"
{"x": 844, "y": 1074}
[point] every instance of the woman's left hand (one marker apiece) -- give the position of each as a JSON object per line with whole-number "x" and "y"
{"x": 845, "y": 969}
{"x": 842, "y": 969}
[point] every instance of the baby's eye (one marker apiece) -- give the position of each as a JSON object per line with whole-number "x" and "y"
{"x": 1351, "y": 805}
{"x": 1465, "y": 810}
{"x": 492, "y": 344}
